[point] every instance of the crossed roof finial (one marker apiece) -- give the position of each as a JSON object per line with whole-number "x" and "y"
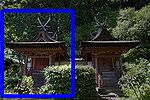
{"x": 98, "y": 24}
{"x": 45, "y": 27}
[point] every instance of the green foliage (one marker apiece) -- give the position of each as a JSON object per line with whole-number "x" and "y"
{"x": 135, "y": 83}
{"x": 134, "y": 25}
{"x": 125, "y": 21}
{"x": 82, "y": 33}
{"x": 85, "y": 83}
{"x": 14, "y": 82}
{"x": 26, "y": 85}
{"x": 12, "y": 77}
{"x": 58, "y": 79}
{"x": 11, "y": 57}
{"x": 22, "y": 27}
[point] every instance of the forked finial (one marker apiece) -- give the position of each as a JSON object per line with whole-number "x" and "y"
{"x": 98, "y": 24}
{"x": 45, "y": 27}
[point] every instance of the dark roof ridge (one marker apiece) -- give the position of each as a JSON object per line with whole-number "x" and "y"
{"x": 103, "y": 35}
{"x": 42, "y": 36}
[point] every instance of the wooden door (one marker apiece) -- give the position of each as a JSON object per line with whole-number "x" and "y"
{"x": 40, "y": 63}
{"x": 105, "y": 64}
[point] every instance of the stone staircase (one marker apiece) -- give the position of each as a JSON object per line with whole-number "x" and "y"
{"x": 38, "y": 78}
{"x": 110, "y": 83}
{"x": 109, "y": 79}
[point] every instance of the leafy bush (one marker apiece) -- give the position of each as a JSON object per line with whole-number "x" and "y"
{"x": 15, "y": 82}
{"x": 85, "y": 83}
{"x": 57, "y": 80}
{"x": 135, "y": 83}
{"x": 26, "y": 85}
{"x": 12, "y": 77}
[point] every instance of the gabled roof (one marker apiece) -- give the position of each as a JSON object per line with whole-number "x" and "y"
{"x": 103, "y": 41}
{"x": 43, "y": 34}
{"x": 104, "y": 38}
{"x": 103, "y": 35}
{"x": 43, "y": 40}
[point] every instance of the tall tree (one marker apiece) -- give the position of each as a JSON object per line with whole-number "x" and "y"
{"x": 134, "y": 25}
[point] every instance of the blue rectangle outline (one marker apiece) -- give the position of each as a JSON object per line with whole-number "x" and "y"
{"x": 70, "y": 11}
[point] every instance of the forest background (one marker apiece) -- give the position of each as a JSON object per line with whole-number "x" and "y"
{"x": 125, "y": 19}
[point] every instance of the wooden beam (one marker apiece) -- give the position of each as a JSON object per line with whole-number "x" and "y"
{"x": 108, "y": 56}
{"x": 106, "y": 50}
{"x": 38, "y": 51}
{"x": 38, "y": 56}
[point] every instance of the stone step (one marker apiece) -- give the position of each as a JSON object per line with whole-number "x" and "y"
{"x": 109, "y": 79}
{"x": 38, "y": 79}
{"x": 107, "y": 90}
{"x": 110, "y": 83}
{"x": 108, "y": 74}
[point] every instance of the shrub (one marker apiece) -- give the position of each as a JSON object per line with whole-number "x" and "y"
{"x": 12, "y": 77}
{"x": 57, "y": 80}
{"x": 85, "y": 83}
{"x": 135, "y": 83}
{"x": 25, "y": 87}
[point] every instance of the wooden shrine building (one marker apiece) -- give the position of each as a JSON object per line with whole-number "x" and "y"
{"x": 40, "y": 52}
{"x": 104, "y": 51}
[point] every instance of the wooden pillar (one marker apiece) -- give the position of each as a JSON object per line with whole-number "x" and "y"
{"x": 53, "y": 60}
{"x": 50, "y": 60}
{"x": 120, "y": 61}
{"x": 96, "y": 67}
{"x": 59, "y": 59}
{"x": 93, "y": 61}
{"x": 25, "y": 66}
{"x": 113, "y": 63}
{"x": 33, "y": 65}
{"x": 86, "y": 59}
{"x": 22, "y": 67}
{"x": 120, "y": 64}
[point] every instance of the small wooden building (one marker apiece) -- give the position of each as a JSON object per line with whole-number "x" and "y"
{"x": 42, "y": 51}
{"x": 104, "y": 51}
